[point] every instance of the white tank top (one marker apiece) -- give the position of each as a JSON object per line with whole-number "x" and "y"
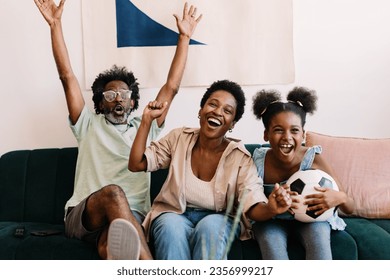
{"x": 199, "y": 193}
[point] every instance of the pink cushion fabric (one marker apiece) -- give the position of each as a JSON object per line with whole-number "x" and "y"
{"x": 363, "y": 168}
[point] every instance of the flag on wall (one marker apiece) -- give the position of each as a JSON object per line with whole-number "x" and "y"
{"x": 246, "y": 41}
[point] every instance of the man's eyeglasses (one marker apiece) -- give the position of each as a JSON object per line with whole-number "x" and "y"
{"x": 111, "y": 95}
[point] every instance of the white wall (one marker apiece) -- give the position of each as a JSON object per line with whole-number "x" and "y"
{"x": 342, "y": 50}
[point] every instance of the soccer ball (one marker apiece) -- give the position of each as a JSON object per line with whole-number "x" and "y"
{"x": 303, "y": 182}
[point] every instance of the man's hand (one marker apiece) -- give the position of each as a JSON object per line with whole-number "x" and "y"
{"x": 50, "y": 11}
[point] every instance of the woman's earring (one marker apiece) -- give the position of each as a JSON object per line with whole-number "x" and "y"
{"x": 230, "y": 130}
{"x": 198, "y": 116}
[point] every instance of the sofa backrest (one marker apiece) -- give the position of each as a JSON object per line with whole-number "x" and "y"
{"x": 35, "y": 184}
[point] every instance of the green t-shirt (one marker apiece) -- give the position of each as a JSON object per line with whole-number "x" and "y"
{"x": 104, "y": 151}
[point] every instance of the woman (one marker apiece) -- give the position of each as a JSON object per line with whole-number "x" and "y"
{"x": 284, "y": 129}
{"x": 207, "y": 170}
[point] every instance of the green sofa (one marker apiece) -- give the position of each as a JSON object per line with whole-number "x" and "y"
{"x": 35, "y": 185}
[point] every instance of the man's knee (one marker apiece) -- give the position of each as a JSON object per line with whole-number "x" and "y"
{"x": 104, "y": 199}
{"x": 110, "y": 192}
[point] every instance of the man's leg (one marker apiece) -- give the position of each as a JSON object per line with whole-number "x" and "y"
{"x": 105, "y": 206}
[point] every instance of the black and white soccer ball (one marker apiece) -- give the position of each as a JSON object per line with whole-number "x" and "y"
{"x": 303, "y": 182}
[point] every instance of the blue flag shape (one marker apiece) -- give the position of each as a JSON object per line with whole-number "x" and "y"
{"x": 137, "y": 29}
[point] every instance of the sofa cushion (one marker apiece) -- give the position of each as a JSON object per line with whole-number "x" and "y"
{"x": 343, "y": 245}
{"x": 371, "y": 237}
{"x": 53, "y": 247}
{"x": 362, "y": 166}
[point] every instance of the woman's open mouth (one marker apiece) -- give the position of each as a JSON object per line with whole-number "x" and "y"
{"x": 214, "y": 122}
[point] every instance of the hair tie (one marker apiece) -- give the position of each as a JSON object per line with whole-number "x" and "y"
{"x": 265, "y": 109}
{"x": 297, "y": 102}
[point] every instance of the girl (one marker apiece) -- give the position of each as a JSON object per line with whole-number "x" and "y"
{"x": 284, "y": 129}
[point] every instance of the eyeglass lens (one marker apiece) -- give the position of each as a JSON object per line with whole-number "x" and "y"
{"x": 111, "y": 95}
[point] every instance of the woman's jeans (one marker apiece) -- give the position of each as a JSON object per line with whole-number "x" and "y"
{"x": 196, "y": 234}
{"x": 272, "y": 238}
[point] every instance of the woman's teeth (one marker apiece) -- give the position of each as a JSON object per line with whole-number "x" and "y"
{"x": 214, "y": 122}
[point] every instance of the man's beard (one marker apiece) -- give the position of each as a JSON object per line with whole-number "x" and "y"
{"x": 113, "y": 117}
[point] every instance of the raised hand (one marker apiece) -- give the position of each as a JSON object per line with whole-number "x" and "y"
{"x": 50, "y": 11}
{"x": 188, "y": 23}
{"x": 154, "y": 109}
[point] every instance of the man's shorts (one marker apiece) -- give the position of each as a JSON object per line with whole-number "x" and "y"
{"x": 74, "y": 223}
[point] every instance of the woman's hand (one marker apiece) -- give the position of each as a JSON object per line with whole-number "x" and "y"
{"x": 154, "y": 110}
{"x": 187, "y": 24}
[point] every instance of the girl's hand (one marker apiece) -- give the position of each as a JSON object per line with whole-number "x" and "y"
{"x": 279, "y": 201}
{"x": 320, "y": 202}
{"x": 295, "y": 199}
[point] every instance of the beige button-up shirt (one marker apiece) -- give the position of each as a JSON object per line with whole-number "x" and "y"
{"x": 236, "y": 174}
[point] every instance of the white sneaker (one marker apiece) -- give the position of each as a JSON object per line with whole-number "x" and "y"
{"x": 123, "y": 242}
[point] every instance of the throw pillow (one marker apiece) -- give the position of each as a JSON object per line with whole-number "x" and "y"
{"x": 363, "y": 168}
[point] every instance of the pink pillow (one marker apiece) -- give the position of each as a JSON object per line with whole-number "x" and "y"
{"x": 363, "y": 169}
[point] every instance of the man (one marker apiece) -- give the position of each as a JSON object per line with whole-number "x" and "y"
{"x": 109, "y": 202}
